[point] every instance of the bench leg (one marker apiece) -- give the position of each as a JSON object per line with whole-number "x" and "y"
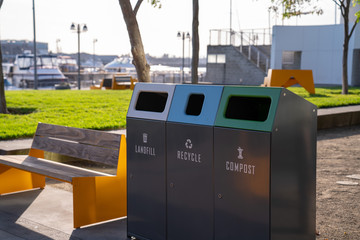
{"x": 97, "y": 199}
{"x": 14, "y": 180}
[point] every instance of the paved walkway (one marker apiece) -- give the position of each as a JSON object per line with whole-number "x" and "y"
{"x": 47, "y": 214}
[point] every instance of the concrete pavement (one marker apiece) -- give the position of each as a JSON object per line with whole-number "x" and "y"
{"x": 47, "y": 214}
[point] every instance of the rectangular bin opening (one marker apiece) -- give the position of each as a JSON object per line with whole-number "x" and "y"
{"x": 195, "y": 104}
{"x": 151, "y": 101}
{"x": 248, "y": 108}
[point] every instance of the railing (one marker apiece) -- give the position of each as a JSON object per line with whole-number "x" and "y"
{"x": 262, "y": 36}
{"x": 246, "y": 41}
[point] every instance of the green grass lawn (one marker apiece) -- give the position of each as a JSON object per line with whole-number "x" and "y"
{"x": 329, "y": 97}
{"x": 105, "y": 109}
{"x": 82, "y": 109}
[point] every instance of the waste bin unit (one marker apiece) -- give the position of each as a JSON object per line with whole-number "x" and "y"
{"x": 146, "y": 160}
{"x": 264, "y": 165}
{"x": 189, "y": 130}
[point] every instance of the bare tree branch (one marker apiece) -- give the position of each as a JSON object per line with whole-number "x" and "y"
{"x": 352, "y": 29}
{"x": 1, "y": 2}
{"x": 342, "y": 8}
{"x": 137, "y": 6}
{"x": 337, "y": 3}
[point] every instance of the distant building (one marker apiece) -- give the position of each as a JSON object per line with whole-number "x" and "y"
{"x": 10, "y": 48}
{"x": 318, "y": 48}
{"x": 244, "y": 57}
{"x": 238, "y": 58}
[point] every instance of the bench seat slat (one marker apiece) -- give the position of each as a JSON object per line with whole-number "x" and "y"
{"x": 122, "y": 78}
{"x": 77, "y": 150}
{"x": 48, "y": 168}
{"x": 86, "y": 136}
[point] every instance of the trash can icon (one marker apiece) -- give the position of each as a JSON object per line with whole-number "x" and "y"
{"x": 264, "y": 165}
{"x": 146, "y": 160}
{"x": 189, "y": 130}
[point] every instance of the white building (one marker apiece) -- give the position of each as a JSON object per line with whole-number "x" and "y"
{"x": 319, "y": 48}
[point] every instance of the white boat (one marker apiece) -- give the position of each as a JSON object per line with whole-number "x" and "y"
{"x": 121, "y": 64}
{"x": 67, "y": 64}
{"x": 48, "y": 72}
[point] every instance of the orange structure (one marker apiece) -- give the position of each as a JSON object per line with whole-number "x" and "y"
{"x": 287, "y": 78}
{"x": 117, "y": 82}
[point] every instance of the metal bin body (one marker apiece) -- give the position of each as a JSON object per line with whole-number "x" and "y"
{"x": 264, "y": 165}
{"x": 189, "y": 129}
{"x": 146, "y": 160}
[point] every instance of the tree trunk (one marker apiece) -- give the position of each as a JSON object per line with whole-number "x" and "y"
{"x": 345, "y": 85}
{"x": 137, "y": 48}
{"x": 195, "y": 43}
{"x": 3, "y": 108}
{"x": 345, "y": 14}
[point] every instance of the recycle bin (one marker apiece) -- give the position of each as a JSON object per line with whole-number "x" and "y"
{"x": 264, "y": 165}
{"x": 189, "y": 133}
{"x": 146, "y": 160}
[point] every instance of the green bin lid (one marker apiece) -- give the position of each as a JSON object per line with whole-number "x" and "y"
{"x": 251, "y": 108}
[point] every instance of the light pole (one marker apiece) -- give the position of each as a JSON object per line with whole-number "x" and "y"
{"x": 35, "y": 56}
{"x": 94, "y": 41}
{"x": 77, "y": 28}
{"x": 183, "y": 35}
{"x": 58, "y": 46}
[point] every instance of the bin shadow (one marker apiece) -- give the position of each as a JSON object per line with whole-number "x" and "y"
{"x": 116, "y": 229}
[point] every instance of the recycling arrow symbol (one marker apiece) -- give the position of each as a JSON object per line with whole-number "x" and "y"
{"x": 188, "y": 144}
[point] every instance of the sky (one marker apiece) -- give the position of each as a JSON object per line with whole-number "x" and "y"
{"x": 158, "y": 27}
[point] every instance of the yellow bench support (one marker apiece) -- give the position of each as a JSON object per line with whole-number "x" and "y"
{"x": 286, "y": 78}
{"x": 92, "y": 196}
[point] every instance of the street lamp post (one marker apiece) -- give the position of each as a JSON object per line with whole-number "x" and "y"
{"x": 183, "y": 35}
{"x": 35, "y": 52}
{"x": 57, "y": 46}
{"x": 77, "y": 28}
{"x": 94, "y": 65}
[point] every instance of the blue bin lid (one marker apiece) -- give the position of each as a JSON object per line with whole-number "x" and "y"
{"x": 195, "y": 104}
{"x": 151, "y": 101}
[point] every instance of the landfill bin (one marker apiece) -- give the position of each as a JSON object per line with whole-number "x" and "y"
{"x": 146, "y": 160}
{"x": 264, "y": 165}
{"x": 189, "y": 130}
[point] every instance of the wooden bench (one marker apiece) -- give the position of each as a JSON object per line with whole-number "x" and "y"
{"x": 105, "y": 82}
{"x": 121, "y": 82}
{"x": 97, "y": 196}
{"x": 117, "y": 82}
{"x": 286, "y": 78}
